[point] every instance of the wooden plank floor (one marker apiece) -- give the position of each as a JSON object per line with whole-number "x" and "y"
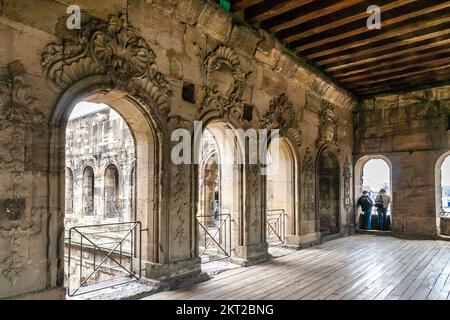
{"x": 363, "y": 267}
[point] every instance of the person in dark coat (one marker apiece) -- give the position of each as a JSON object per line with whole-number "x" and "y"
{"x": 366, "y": 206}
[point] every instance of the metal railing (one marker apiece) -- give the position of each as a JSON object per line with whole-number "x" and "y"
{"x": 275, "y": 226}
{"x": 116, "y": 243}
{"x": 214, "y": 238}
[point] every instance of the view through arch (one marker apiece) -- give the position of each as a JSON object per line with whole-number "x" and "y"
{"x": 281, "y": 192}
{"x": 99, "y": 160}
{"x": 219, "y": 193}
{"x": 375, "y": 175}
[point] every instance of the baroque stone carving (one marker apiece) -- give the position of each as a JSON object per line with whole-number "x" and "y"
{"x": 20, "y": 122}
{"x": 328, "y": 126}
{"x": 347, "y": 174}
{"x": 112, "y": 49}
{"x": 308, "y": 170}
{"x": 225, "y": 83}
{"x": 281, "y": 115}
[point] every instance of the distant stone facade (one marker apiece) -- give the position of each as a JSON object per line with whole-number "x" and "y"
{"x": 100, "y": 157}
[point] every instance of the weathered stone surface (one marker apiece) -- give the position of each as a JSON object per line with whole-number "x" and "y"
{"x": 287, "y": 66}
{"x": 266, "y": 53}
{"x": 244, "y": 40}
{"x": 215, "y": 22}
{"x": 187, "y": 11}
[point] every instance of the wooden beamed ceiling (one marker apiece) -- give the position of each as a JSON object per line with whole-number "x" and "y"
{"x": 411, "y": 50}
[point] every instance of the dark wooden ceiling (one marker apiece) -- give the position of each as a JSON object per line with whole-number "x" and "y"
{"x": 411, "y": 50}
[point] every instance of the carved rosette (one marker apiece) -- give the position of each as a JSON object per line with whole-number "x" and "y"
{"x": 328, "y": 126}
{"x": 227, "y": 98}
{"x": 281, "y": 115}
{"x": 111, "y": 49}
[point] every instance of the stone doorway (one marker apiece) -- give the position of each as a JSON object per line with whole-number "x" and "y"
{"x": 373, "y": 173}
{"x": 219, "y": 193}
{"x": 99, "y": 160}
{"x": 328, "y": 193}
{"x": 281, "y": 192}
{"x": 443, "y": 195}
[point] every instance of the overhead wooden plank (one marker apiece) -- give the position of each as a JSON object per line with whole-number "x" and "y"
{"x": 391, "y": 62}
{"x": 407, "y": 28}
{"x": 352, "y": 14}
{"x": 409, "y": 83}
{"x": 295, "y": 17}
{"x": 267, "y": 10}
{"x": 359, "y": 84}
{"x": 243, "y": 4}
{"x": 359, "y": 54}
{"x": 438, "y": 61}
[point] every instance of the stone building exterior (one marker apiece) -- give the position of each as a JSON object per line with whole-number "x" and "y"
{"x": 100, "y": 161}
{"x": 186, "y": 61}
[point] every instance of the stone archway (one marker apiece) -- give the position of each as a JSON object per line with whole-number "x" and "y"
{"x": 328, "y": 193}
{"x": 109, "y": 63}
{"x": 442, "y": 218}
{"x": 359, "y": 174}
{"x": 282, "y": 191}
{"x": 220, "y": 173}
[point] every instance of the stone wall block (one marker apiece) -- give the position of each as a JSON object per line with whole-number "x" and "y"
{"x": 187, "y": 11}
{"x": 287, "y": 66}
{"x": 244, "y": 40}
{"x": 215, "y": 23}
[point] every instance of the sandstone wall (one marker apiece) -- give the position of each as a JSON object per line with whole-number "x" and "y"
{"x": 185, "y": 44}
{"x": 411, "y": 130}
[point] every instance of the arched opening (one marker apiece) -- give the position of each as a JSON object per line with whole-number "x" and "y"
{"x": 281, "y": 192}
{"x": 328, "y": 193}
{"x": 88, "y": 191}
{"x": 107, "y": 137}
{"x": 219, "y": 192}
{"x": 112, "y": 192}
{"x": 372, "y": 174}
{"x": 69, "y": 191}
{"x": 443, "y": 195}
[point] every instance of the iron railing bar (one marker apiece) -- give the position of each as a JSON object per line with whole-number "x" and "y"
{"x": 104, "y": 259}
{"x": 212, "y": 238}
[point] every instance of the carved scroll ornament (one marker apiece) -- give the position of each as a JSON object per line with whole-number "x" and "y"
{"x": 112, "y": 49}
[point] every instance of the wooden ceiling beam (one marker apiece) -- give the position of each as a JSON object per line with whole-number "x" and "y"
{"x": 413, "y": 83}
{"x": 360, "y": 84}
{"x": 392, "y": 45}
{"x": 296, "y": 16}
{"x": 244, "y": 4}
{"x": 391, "y": 63}
{"x": 352, "y": 14}
{"x": 266, "y": 10}
{"x": 439, "y": 61}
{"x": 388, "y": 55}
{"x": 411, "y": 27}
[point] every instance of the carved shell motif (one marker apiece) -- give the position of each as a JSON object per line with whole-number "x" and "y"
{"x": 112, "y": 49}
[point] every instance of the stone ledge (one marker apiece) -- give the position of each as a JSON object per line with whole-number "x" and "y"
{"x": 58, "y": 293}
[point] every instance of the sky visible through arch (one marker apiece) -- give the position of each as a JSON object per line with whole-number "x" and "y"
{"x": 376, "y": 175}
{"x": 82, "y": 108}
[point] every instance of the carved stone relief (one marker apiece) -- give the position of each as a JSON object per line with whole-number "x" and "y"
{"x": 112, "y": 49}
{"x": 308, "y": 170}
{"x": 328, "y": 126}
{"x": 20, "y": 124}
{"x": 281, "y": 115}
{"x": 347, "y": 175}
{"x": 225, "y": 84}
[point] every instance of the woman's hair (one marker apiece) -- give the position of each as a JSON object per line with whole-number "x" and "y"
{"x": 383, "y": 191}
